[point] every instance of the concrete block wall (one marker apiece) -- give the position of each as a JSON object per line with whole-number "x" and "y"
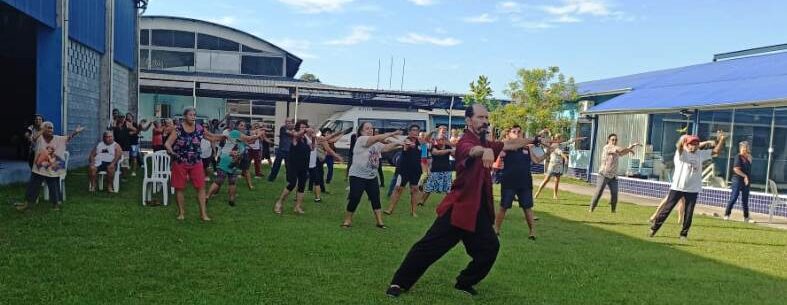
{"x": 84, "y": 88}
{"x": 120, "y": 88}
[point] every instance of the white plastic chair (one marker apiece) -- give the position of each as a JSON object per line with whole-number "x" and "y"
{"x": 115, "y": 182}
{"x": 62, "y": 181}
{"x": 158, "y": 173}
{"x": 775, "y": 201}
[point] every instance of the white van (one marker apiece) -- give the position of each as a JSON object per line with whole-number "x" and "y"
{"x": 383, "y": 120}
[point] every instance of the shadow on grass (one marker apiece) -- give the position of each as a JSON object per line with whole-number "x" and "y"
{"x": 106, "y": 248}
{"x": 573, "y": 263}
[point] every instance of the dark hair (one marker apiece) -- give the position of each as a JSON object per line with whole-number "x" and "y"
{"x": 301, "y": 123}
{"x": 469, "y": 111}
{"x": 189, "y": 109}
{"x": 414, "y": 126}
{"x": 516, "y": 126}
{"x": 611, "y": 135}
{"x": 360, "y": 127}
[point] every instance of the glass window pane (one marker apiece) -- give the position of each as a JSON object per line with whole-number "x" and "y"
{"x": 210, "y": 42}
{"x": 171, "y": 60}
{"x": 257, "y": 65}
{"x": 238, "y": 107}
{"x": 779, "y": 156}
{"x": 144, "y": 37}
{"x": 584, "y": 130}
{"x": 144, "y": 55}
{"x": 754, "y": 125}
{"x": 174, "y": 39}
{"x": 218, "y": 62}
{"x": 665, "y": 130}
{"x": 211, "y": 108}
{"x": 710, "y": 123}
{"x": 263, "y": 108}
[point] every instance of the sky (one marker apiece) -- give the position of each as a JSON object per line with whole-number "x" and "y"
{"x": 446, "y": 44}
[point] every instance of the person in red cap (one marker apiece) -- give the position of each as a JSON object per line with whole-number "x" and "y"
{"x": 687, "y": 180}
{"x": 466, "y": 214}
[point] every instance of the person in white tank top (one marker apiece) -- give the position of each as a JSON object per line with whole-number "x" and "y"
{"x": 104, "y": 158}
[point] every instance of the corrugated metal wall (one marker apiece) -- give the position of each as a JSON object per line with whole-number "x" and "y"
{"x": 49, "y": 96}
{"x": 125, "y": 33}
{"x": 630, "y": 128}
{"x": 87, "y": 23}
{"x": 45, "y": 11}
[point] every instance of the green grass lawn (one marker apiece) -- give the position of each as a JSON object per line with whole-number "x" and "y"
{"x": 108, "y": 249}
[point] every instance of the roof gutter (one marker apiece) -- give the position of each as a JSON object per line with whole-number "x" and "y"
{"x": 609, "y": 92}
{"x": 726, "y": 106}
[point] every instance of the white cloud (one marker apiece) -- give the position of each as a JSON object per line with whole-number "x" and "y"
{"x": 509, "y": 7}
{"x": 533, "y": 25}
{"x": 299, "y": 47}
{"x": 414, "y": 38}
{"x": 317, "y": 6}
{"x": 359, "y": 34}
{"x": 440, "y": 31}
{"x": 580, "y": 7}
{"x": 483, "y": 18}
{"x": 226, "y": 20}
{"x": 566, "y": 19}
{"x": 423, "y": 2}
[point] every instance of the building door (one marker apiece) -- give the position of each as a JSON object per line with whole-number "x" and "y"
{"x": 17, "y": 80}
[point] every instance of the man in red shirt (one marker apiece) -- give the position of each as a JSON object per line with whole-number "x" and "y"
{"x": 465, "y": 214}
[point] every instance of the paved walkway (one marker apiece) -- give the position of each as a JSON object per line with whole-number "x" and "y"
{"x": 760, "y": 219}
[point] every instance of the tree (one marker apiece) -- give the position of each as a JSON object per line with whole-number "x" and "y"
{"x": 481, "y": 93}
{"x": 537, "y": 97}
{"x": 308, "y": 77}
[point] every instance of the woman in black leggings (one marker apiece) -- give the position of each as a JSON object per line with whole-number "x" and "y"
{"x": 363, "y": 171}
{"x": 297, "y": 167}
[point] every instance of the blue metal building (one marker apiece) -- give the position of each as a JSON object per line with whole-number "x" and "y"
{"x": 71, "y": 61}
{"x": 742, "y": 93}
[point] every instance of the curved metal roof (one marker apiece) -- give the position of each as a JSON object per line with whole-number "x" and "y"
{"x": 290, "y": 56}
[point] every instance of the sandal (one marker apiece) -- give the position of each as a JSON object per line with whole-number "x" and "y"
{"x": 531, "y": 237}
{"x": 381, "y": 226}
{"x": 387, "y": 213}
{"x": 277, "y": 209}
{"x": 346, "y": 225}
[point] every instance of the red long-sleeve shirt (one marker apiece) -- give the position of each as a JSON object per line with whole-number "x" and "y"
{"x": 472, "y": 180}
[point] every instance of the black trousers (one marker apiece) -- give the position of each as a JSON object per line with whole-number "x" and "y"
{"x": 380, "y": 174}
{"x": 34, "y": 188}
{"x": 357, "y": 187}
{"x": 672, "y": 200}
{"x": 482, "y": 245}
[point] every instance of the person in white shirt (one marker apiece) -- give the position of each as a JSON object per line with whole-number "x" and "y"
{"x": 687, "y": 180}
{"x": 104, "y": 157}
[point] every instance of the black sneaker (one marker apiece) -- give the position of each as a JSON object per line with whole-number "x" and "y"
{"x": 394, "y": 291}
{"x": 469, "y": 290}
{"x": 232, "y": 203}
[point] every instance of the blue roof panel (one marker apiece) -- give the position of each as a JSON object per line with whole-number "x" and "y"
{"x": 748, "y": 80}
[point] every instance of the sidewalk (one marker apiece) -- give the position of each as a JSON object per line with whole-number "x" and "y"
{"x": 757, "y": 218}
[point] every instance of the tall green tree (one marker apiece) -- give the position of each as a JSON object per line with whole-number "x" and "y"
{"x": 481, "y": 93}
{"x": 537, "y": 97}
{"x": 308, "y": 77}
